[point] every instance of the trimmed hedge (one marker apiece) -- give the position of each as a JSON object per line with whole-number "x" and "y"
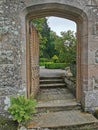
{"x": 44, "y": 63}
{"x": 44, "y": 60}
{"x": 55, "y": 65}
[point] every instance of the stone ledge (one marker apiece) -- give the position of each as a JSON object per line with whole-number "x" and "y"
{"x": 63, "y": 119}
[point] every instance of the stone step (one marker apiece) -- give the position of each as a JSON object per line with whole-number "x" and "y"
{"x": 56, "y": 85}
{"x": 64, "y": 120}
{"x": 51, "y": 77}
{"x": 55, "y": 94}
{"x": 57, "y": 105}
{"x": 47, "y": 81}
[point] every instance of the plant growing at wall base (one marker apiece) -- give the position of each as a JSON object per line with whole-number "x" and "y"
{"x": 22, "y": 108}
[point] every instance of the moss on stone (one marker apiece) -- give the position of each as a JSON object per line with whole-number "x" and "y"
{"x": 7, "y": 124}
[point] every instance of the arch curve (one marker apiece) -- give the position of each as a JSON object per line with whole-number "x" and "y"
{"x": 57, "y": 9}
{"x": 72, "y": 13}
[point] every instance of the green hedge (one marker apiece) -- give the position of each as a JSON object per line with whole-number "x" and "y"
{"x": 44, "y": 63}
{"x": 44, "y": 60}
{"x": 55, "y": 65}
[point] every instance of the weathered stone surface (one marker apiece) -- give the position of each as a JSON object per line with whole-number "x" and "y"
{"x": 10, "y": 50}
{"x": 13, "y": 16}
{"x": 9, "y": 73}
{"x": 65, "y": 119}
{"x": 90, "y": 100}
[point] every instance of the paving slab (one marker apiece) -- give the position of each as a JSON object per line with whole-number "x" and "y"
{"x": 63, "y": 119}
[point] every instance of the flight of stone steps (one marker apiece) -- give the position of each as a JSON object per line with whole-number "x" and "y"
{"x": 51, "y": 82}
{"x": 54, "y": 96}
{"x": 58, "y": 109}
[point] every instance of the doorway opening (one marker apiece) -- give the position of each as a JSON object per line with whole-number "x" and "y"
{"x": 57, "y": 55}
{"x": 81, "y": 58}
{"x": 57, "y": 58}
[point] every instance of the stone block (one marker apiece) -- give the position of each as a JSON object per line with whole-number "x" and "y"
{"x": 91, "y": 100}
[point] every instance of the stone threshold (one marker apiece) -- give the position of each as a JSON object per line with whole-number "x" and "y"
{"x": 62, "y": 119}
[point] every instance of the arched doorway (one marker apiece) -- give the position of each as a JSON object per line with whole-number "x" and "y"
{"x": 72, "y": 13}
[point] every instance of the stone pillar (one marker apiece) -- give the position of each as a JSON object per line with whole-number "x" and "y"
{"x": 90, "y": 91}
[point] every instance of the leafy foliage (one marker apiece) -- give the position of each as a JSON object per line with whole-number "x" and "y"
{"x": 21, "y": 108}
{"x": 44, "y": 35}
{"x": 55, "y": 59}
{"x": 55, "y": 65}
{"x": 45, "y": 63}
{"x": 59, "y": 49}
{"x": 44, "y": 60}
{"x": 67, "y": 47}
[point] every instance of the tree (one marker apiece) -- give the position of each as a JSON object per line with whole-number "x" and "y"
{"x": 44, "y": 34}
{"x": 63, "y": 47}
{"x": 67, "y": 47}
{"x": 53, "y": 41}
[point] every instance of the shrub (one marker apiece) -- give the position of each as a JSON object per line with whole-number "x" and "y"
{"x": 42, "y": 63}
{"x": 55, "y": 59}
{"x": 44, "y": 60}
{"x": 22, "y": 108}
{"x": 45, "y": 63}
{"x": 55, "y": 65}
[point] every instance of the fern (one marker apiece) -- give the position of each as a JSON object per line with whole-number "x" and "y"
{"x": 22, "y": 108}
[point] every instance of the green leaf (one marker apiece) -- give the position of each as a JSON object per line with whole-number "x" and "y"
{"x": 21, "y": 108}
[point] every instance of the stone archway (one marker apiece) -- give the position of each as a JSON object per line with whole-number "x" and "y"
{"x": 79, "y": 17}
{"x": 14, "y": 45}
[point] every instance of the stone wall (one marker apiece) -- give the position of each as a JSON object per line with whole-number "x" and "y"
{"x": 13, "y": 45}
{"x": 71, "y": 85}
{"x": 10, "y": 50}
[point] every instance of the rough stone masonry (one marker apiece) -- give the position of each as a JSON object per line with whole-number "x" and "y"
{"x": 14, "y": 18}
